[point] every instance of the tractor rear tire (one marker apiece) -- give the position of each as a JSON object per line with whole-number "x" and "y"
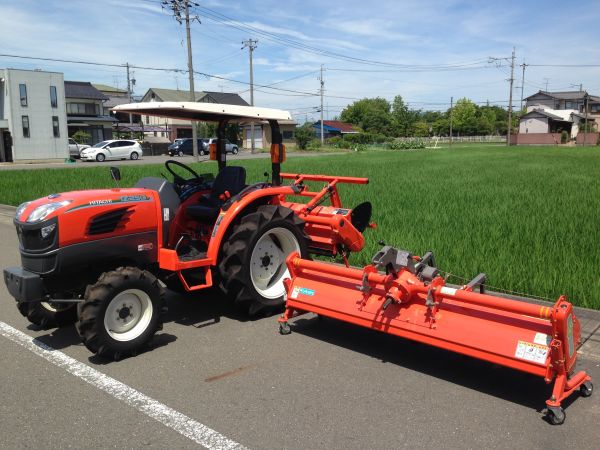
{"x": 50, "y": 315}
{"x": 121, "y": 313}
{"x": 252, "y": 265}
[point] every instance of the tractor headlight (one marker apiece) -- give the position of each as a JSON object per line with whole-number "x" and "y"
{"x": 20, "y": 209}
{"x": 41, "y": 212}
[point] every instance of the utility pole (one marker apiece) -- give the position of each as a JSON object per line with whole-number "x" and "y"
{"x": 451, "y": 106}
{"x": 523, "y": 83}
{"x": 321, "y": 90}
{"x": 128, "y": 84}
{"x": 178, "y": 7}
{"x": 585, "y": 105}
{"x": 510, "y": 96}
{"x": 129, "y": 91}
{"x": 547, "y": 79}
{"x": 251, "y": 44}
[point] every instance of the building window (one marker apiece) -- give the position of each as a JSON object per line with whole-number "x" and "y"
{"x": 147, "y": 120}
{"x": 53, "y": 98}
{"x": 25, "y": 121}
{"x": 287, "y": 135}
{"x": 55, "y": 127}
{"x": 570, "y": 105}
{"x": 23, "y": 94}
{"x": 83, "y": 109}
{"x": 595, "y": 107}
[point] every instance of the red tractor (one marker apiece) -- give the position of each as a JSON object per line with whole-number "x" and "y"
{"x": 101, "y": 258}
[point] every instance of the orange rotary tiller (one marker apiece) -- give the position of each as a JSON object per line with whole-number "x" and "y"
{"x": 404, "y": 295}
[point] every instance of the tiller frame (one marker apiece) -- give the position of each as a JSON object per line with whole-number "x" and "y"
{"x": 413, "y": 301}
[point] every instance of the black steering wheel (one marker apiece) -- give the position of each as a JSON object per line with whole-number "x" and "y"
{"x": 178, "y": 179}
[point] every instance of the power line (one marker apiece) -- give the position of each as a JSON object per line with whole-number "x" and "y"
{"x": 233, "y": 23}
{"x": 564, "y": 65}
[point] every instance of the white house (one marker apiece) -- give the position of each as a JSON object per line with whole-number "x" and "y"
{"x": 33, "y": 120}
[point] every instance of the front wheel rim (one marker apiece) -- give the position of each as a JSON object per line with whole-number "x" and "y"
{"x": 267, "y": 262}
{"x": 128, "y": 315}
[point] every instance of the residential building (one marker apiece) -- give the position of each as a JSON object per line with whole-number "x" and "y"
{"x": 226, "y": 98}
{"x": 33, "y": 123}
{"x": 262, "y": 133}
{"x": 569, "y": 100}
{"x": 86, "y": 111}
{"x": 333, "y": 128}
{"x": 180, "y": 128}
{"x": 550, "y": 113}
{"x": 125, "y": 122}
{"x": 541, "y": 120}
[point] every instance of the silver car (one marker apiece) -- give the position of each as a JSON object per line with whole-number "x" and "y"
{"x": 229, "y": 147}
{"x": 75, "y": 148}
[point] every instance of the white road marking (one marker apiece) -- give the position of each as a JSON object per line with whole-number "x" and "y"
{"x": 175, "y": 420}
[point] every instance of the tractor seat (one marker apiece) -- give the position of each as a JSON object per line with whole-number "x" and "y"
{"x": 231, "y": 179}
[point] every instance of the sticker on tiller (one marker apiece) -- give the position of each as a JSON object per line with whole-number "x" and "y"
{"x": 300, "y": 290}
{"x": 166, "y": 214}
{"x": 448, "y": 291}
{"x": 531, "y": 352}
{"x": 341, "y": 212}
{"x": 542, "y": 339}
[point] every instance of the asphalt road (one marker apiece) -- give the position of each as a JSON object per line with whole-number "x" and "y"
{"x": 160, "y": 159}
{"x": 327, "y": 385}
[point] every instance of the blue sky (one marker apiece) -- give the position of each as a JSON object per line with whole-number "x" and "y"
{"x": 413, "y": 33}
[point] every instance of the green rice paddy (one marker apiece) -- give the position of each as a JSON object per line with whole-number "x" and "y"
{"x": 528, "y": 217}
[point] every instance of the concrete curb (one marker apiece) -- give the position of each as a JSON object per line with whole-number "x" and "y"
{"x": 8, "y": 210}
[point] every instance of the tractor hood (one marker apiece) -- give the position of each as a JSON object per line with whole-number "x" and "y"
{"x": 67, "y": 202}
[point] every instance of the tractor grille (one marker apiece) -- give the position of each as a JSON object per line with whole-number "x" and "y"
{"x": 108, "y": 222}
{"x": 30, "y": 236}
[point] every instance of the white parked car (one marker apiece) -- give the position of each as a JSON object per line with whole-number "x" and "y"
{"x": 113, "y": 149}
{"x": 75, "y": 148}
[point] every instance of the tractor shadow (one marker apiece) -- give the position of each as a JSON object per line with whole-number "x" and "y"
{"x": 61, "y": 338}
{"x": 207, "y": 308}
{"x": 58, "y": 338}
{"x": 491, "y": 379}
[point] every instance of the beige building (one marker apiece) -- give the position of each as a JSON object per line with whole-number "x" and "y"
{"x": 262, "y": 134}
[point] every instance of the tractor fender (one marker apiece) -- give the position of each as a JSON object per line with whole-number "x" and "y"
{"x": 228, "y": 217}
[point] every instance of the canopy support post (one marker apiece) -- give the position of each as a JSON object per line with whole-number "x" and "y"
{"x": 276, "y": 140}
{"x": 221, "y": 152}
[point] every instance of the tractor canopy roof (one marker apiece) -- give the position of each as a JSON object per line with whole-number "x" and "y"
{"x": 206, "y": 112}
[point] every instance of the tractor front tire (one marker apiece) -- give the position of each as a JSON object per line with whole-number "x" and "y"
{"x": 121, "y": 313}
{"x": 49, "y": 315}
{"x": 252, "y": 265}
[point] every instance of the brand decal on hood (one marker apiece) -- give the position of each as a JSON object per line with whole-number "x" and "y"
{"x": 116, "y": 201}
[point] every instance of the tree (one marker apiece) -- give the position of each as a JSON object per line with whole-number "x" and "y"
{"x": 82, "y": 137}
{"x": 304, "y": 135}
{"x": 420, "y": 129}
{"x": 370, "y": 114}
{"x": 464, "y": 117}
{"x": 403, "y": 118}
